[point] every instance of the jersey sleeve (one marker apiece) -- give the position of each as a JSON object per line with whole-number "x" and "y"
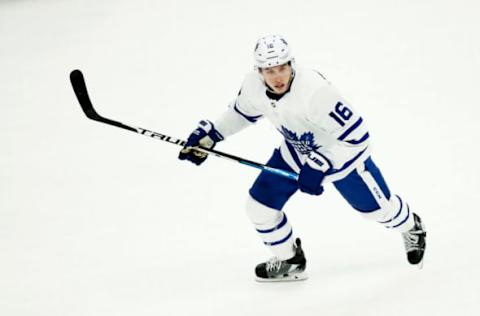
{"x": 333, "y": 114}
{"x": 240, "y": 114}
{"x": 336, "y": 120}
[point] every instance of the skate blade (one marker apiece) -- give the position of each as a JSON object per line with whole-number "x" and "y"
{"x": 288, "y": 278}
{"x": 420, "y": 265}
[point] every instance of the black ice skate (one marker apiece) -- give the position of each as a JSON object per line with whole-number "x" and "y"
{"x": 415, "y": 242}
{"x": 276, "y": 270}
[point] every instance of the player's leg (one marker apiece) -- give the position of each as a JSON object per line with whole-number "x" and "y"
{"x": 366, "y": 191}
{"x": 268, "y": 195}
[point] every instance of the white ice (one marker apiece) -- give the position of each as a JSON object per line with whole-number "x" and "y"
{"x": 95, "y": 220}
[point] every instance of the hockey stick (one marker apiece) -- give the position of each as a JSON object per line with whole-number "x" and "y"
{"x": 80, "y": 88}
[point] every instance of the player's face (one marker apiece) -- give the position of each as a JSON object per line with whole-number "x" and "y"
{"x": 278, "y": 77}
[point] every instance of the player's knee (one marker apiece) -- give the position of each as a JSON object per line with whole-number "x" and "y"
{"x": 260, "y": 214}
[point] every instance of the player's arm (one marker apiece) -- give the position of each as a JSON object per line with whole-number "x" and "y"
{"x": 334, "y": 115}
{"x": 240, "y": 114}
{"x": 337, "y": 127}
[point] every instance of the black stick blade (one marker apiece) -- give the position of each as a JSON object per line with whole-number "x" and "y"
{"x": 80, "y": 89}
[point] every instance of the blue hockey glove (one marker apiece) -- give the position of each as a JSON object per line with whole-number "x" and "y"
{"x": 310, "y": 180}
{"x": 204, "y": 135}
{"x": 312, "y": 174}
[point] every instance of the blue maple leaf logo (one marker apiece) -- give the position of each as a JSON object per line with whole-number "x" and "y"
{"x": 289, "y": 135}
{"x": 304, "y": 144}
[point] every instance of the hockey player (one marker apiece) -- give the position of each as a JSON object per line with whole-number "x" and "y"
{"x": 325, "y": 141}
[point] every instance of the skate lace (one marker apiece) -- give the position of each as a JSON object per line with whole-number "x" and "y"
{"x": 411, "y": 239}
{"x": 273, "y": 264}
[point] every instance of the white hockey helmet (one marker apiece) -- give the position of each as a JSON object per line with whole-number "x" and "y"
{"x": 271, "y": 51}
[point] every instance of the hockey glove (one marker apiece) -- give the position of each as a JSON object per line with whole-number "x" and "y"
{"x": 205, "y": 135}
{"x": 312, "y": 174}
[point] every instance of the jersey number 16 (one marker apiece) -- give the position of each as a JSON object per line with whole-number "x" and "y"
{"x": 341, "y": 113}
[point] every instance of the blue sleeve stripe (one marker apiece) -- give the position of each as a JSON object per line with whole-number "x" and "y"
{"x": 281, "y": 241}
{"x": 282, "y": 223}
{"x": 361, "y": 140}
{"x": 350, "y": 129}
{"x": 251, "y": 119}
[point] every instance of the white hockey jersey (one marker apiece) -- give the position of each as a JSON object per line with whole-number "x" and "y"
{"x": 319, "y": 126}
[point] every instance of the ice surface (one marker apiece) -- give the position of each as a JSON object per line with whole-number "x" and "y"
{"x": 98, "y": 221}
